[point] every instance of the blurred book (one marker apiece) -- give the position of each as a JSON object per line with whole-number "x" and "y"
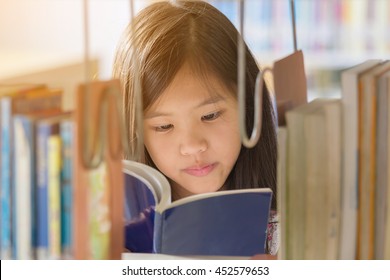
{"x": 350, "y": 155}
{"x": 27, "y": 99}
{"x": 48, "y": 185}
{"x": 312, "y": 185}
{"x": 26, "y": 204}
{"x": 367, "y": 153}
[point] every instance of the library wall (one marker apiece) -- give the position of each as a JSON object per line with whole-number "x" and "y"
{"x": 42, "y": 34}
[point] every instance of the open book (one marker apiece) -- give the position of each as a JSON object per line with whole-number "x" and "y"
{"x": 224, "y": 223}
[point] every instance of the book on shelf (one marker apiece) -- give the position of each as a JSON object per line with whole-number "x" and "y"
{"x": 54, "y": 193}
{"x": 26, "y": 203}
{"x": 17, "y": 100}
{"x": 323, "y": 155}
{"x": 367, "y": 147}
{"x": 224, "y": 223}
{"x": 6, "y": 91}
{"x": 67, "y": 187}
{"x": 382, "y": 210}
{"x": 350, "y": 155}
{"x": 48, "y": 185}
{"x": 98, "y": 178}
{"x": 295, "y": 186}
{"x": 312, "y": 180}
{"x": 281, "y": 188}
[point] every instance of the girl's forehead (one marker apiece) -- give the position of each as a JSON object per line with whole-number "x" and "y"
{"x": 198, "y": 85}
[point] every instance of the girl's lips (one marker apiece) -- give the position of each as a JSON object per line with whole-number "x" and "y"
{"x": 200, "y": 171}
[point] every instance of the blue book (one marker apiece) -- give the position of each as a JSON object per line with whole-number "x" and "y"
{"x": 45, "y": 128}
{"x": 17, "y": 99}
{"x": 224, "y": 223}
{"x": 42, "y": 134}
{"x": 5, "y": 180}
{"x": 25, "y": 206}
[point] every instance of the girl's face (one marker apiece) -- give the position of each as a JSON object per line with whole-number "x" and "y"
{"x": 192, "y": 135}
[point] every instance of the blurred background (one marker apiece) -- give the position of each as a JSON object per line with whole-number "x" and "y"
{"x": 38, "y": 37}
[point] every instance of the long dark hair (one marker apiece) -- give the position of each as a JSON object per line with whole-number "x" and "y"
{"x": 163, "y": 37}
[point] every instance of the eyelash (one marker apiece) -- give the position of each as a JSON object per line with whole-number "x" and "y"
{"x": 211, "y": 117}
{"x": 206, "y": 118}
{"x": 163, "y": 128}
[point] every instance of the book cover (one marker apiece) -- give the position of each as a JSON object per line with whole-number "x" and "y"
{"x": 98, "y": 192}
{"x": 224, "y": 223}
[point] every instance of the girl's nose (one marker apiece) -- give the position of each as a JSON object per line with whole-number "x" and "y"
{"x": 193, "y": 143}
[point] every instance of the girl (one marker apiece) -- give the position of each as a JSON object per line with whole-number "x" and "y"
{"x": 185, "y": 56}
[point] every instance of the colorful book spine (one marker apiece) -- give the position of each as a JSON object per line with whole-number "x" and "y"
{"x": 5, "y": 179}
{"x": 42, "y": 135}
{"x": 23, "y": 231}
{"x": 66, "y": 133}
{"x": 99, "y": 213}
{"x": 54, "y": 209}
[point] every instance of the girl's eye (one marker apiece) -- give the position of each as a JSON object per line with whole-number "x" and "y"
{"x": 210, "y": 117}
{"x": 163, "y": 128}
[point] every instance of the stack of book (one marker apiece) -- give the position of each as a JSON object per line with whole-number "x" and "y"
{"x": 333, "y": 174}
{"x": 33, "y": 126}
{"x": 47, "y": 205}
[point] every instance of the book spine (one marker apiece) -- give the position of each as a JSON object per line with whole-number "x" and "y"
{"x": 54, "y": 167}
{"x": 387, "y": 213}
{"x": 100, "y": 225}
{"x": 42, "y": 135}
{"x": 23, "y": 188}
{"x": 158, "y": 232}
{"x": 66, "y": 132}
{"x": 5, "y": 219}
{"x": 382, "y": 164}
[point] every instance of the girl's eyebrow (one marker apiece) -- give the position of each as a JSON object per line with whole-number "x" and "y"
{"x": 208, "y": 101}
{"x": 211, "y": 100}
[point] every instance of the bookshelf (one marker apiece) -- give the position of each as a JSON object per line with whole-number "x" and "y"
{"x": 333, "y": 34}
